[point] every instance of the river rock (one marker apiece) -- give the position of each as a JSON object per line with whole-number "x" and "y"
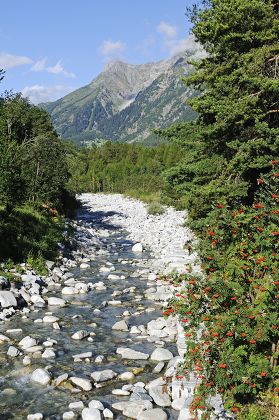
{"x": 60, "y": 379}
{"x": 55, "y": 301}
{"x": 91, "y": 414}
{"x": 154, "y": 414}
{"x": 4, "y": 283}
{"x": 26, "y": 361}
{"x": 120, "y": 392}
{"x": 120, "y": 326}
{"x": 4, "y": 338}
{"x": 68, "y": 290}
{"x": 103, "y": 375}
{"x": 49, "y": 319}
{"x": 126, "y": 376}
{"x": 68, "y": 415}
{"x": 132, "y": 409}
{"x": 84, "y": 265}
{"x": 160, "y": 396}
{"x": 82, "y": 383}
{"x": 7, "y": 299}
{"x": 41, "y": 376}
{"x": 96, "y": 404}
{"x": 86, "y": 355}
{"x": 36, "y": 416}
{"x": 108, "y": 414}
{"x": 161, "y": 355}
{"x": 48, "y": 354}
{"x": 13, "y": 351}
{"x": 137, "y": 247}
{"x": 77, "y": 405}
{"x": 27, "y": 342}
{"x": 131, "y": 354}
{"x": 80, "y": 335}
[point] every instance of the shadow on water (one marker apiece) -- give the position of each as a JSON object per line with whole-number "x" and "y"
{"x": 98, "y": 219}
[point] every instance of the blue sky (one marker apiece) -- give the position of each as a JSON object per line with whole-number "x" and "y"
{"x": 51, "y": 47}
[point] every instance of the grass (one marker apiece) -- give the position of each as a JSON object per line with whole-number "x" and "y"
{"x": 29, "y": 232}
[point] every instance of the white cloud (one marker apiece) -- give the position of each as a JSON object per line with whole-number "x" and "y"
{"x": 189, "y": 44}
{"x": 8, "y": 61}
{"x": 59, "y": 69}
{"x": 40, "y": 65}
{"x": 38, "y": 93}
{"x": 166, "y": 29}
{"x": 110, "y": 49}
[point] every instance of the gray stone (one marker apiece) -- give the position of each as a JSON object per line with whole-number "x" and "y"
{"x": 120, "y": 392}
{"x": 60, "y": 379}
{"x": 82, "y": 383}
{"x": 160, "y": 355}
{"x": 80, "y": 335}
{"x": 137, "y": 247}
{"x": 86, "y": 355}
{"x": 41, "y": 376}
{"x": 48, "y": 319}
{"x": 107, "y": 413}
{"x": 13, "y": 351}
{"x": 91, "y": 414}
{"x": 68, "y": 290}
{"x": 77, "y": 405}
{"x": 4, "y": 283}
{"x": 48, "y": 353}
{"x": 7, "y": 299}
{"x": 55, "y": 301}
{"x": 36, "y": 416}
{"x": 120, "y": 326}
{"x": 126, "y": 376}
{"x": 68, "y": 415}
{"x": 96, "y": 404}
{"x": 154, "y": 414}
{"x": 131, "y": 354}
{"x": 160, "y": 396}
{"x": 27, "y": 342}
{"x": 159, "y": 367}
{"x": 103, "y": 375}
{"x": 132, "y": 409}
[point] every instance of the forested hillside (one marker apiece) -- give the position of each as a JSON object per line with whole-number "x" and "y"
{"x": 33, "y": 181}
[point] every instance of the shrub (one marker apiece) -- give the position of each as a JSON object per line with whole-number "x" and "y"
{"x": 155, "y": 208}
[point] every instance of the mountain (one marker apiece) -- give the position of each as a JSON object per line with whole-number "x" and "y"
{"x": 125, "y": 102}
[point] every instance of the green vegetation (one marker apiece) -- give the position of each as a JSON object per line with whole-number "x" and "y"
{"x": 32, "y": 182}
{"x": 130, "y": 169}
{"x": 229, "y": 184}
{"x": 155, "y": 207}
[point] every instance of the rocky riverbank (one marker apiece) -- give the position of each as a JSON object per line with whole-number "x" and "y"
{"x": 89, "y": 340}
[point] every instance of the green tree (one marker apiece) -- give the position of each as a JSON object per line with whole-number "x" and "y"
{"x": 236, "y": 132}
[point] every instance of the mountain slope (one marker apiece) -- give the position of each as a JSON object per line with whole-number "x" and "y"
{"x": 125, "y": 102}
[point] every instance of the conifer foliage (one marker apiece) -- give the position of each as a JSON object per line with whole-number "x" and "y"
{"x": 237, "y": 128}
{"x": 229, "y": 183}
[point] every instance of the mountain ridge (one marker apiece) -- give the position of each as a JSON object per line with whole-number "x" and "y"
{"x": 125, "y": 102}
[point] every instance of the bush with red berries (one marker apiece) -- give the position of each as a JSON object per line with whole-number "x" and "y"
{"x": 230, "y": 313}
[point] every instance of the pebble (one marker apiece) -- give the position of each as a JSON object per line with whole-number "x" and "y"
{"x": 41, "y": 376}
{"x": 91, "y": 414}
{"x": 96, "y": 404}
{"x": 82, "y": 383}
{"x": 77, "y": 405}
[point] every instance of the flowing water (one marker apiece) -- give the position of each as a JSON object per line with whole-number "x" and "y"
{"x": 18, "y": 395}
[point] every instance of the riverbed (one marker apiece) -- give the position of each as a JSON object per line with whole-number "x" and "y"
{"x": 119, "y": 253}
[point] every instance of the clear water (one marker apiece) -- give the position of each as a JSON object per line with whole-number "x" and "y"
{"x": 19, "y": 396}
